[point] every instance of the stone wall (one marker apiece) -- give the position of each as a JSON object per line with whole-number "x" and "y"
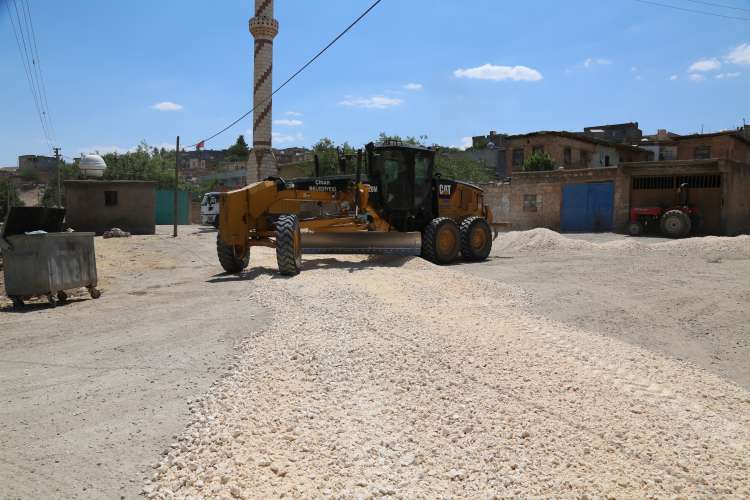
{"x": 534, "y": 199}
{"x": 91, "y": 206}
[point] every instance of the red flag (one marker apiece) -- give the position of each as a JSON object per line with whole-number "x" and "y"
{"x": 200, "y": 145}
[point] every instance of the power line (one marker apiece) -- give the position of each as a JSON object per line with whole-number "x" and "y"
{"x": 721, "y": 5}
{"x": 38, "y": 64}
{"x": 30, "y": 76}
{"x": 685, "y": 9}
{"x": 304, "y": 66}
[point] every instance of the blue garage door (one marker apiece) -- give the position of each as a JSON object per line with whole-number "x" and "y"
{"x": 587, "y": 207}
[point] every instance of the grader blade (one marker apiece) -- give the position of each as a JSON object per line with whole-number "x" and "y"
{"x": 363, "y": 242}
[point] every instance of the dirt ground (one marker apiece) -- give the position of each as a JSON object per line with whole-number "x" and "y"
{"x": 385, "y": 377}
{"x": 92, "y": 391}
{"x": 687, "y": 299}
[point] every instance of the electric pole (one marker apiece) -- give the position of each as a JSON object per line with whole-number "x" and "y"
{"x": 176, "y": 183}
{"x": 59, "y": 191}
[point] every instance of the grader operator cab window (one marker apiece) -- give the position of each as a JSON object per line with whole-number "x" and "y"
{"x": 396, "y": 193}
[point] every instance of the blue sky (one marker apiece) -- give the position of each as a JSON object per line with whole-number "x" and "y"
{"x": 474, "y": 67}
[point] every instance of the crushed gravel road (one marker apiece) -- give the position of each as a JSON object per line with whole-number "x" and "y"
{"x": 394, "y": 377}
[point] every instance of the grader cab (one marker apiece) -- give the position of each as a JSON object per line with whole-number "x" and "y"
{"x": 393, "y": 203}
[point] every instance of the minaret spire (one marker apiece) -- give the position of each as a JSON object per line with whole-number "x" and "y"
{"x": 264, "y": 29}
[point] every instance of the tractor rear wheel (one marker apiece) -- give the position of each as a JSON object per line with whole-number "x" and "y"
{"x": 288, "y": 245}
{"x": 476, "y": 239}
{"x": 228, "y": 259}
{"x": 441, "y": 241}
{"x": 675, "y": 224}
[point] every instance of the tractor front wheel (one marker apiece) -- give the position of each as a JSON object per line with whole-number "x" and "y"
{"x": 228, "y": 258}
{"x": 675, "y": 224}
{"x": 441, "y": 241}
{"x": 635, "y": 229}
{"x": 288, "y": 245}
{"x": 476, "y": 239}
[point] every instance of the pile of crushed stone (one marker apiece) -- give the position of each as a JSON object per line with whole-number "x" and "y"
{"x": 542, "y": 240}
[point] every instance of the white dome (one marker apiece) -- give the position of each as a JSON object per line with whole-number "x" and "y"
{"x": 92, "y": 166}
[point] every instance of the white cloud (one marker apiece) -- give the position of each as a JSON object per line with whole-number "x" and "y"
{"x": 374, "y": 102}
{"x": 288, "y": 123}
{"x": 596, "y": 62}
{"x": 705, "y": 65}
{"x": 466, "y": 142}
{"x": 673, "y": 77}
{"x": 696, "y": 77}
{"x": 292, "y": 113}
{"x": 740, "y": 54}
{"x": 634, "y": 69}
{"x": 167, "y": 106}
{"x": 726, "y": 76}
{"x": 498, "y": 73}
{"x": 279, "y": 138}
{"x": 414, "y": 86}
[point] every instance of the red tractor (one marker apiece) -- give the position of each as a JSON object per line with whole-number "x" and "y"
{"x": 674, "y": 222}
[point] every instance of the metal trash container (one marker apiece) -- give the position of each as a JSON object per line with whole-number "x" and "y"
{"x": 47, "y": 262}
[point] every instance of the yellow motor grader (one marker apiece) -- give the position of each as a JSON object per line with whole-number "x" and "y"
{"x": 393, "y": 203}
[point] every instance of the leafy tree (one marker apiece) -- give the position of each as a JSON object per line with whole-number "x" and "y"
{"x": 239, "y": 151}
{"x": 29, "y": 175}
{"x": 8, "y": 188}
{"x": 461, "y": 168}
{"x": 67, "y": 171}
{"x": 143, "y": 164}
{"x": 538, "y": 162}
{"x": 414, "y": 141}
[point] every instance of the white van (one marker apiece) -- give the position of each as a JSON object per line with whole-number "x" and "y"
{"x": 210, "y": 209}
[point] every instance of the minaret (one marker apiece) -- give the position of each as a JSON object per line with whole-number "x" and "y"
{"x": 264, "y": 28}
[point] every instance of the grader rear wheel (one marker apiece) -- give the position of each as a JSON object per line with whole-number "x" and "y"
{"x": 441, "y": 241}
{"x": 476, "y": 239}
{"x": 228, "y": 259}
{"x": 288, "y": 245}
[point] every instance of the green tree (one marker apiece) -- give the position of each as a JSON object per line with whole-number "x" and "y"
{"x": 414, "y": 141}
{"x": 143, "y": 164}
{"x": 67, "y": 171}
{"x": 239, "y": 151}
{"x": 8, "y": 190}
{"x": 538, "y": 162}
{"x": 460, "y": 168}
{"x": 29, "y": 175}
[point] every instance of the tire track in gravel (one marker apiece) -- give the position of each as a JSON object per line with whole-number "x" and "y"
{"x": 417, "y": 381}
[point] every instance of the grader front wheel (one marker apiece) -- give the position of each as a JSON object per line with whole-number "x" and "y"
{"x": 288, "y": 245}
{"x": 228, "y": 258}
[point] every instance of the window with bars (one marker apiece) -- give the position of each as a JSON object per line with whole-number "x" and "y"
{"x": 705, "y": 181}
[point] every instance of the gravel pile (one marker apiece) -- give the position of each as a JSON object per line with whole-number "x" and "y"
{"x": 395, "y": 378}
{"x": 543, "y": 240}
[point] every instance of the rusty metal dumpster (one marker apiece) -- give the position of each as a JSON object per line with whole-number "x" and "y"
{"x": 38, "y": 262}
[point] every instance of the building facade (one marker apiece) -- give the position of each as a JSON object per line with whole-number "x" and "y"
{"x": 97, "y": 206}
{"x": 569, "y": 150}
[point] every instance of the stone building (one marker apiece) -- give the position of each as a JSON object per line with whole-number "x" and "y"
{"x": 623, "y": 133}
{"x": 730, "y": 145}
{"x": 600, "y": 199}
{"x": 569, "y": 150}
{"x": 97, "y": 206}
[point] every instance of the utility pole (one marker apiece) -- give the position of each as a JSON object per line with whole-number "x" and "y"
{"x": 176, "y": 183}
{"x": 59, "y": 192}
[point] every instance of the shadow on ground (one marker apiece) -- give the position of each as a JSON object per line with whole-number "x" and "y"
{"x": 371, "y": 262}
